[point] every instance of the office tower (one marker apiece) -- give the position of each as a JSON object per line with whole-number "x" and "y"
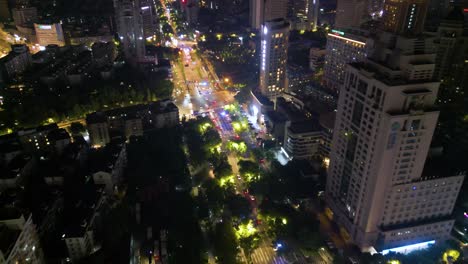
{"x": 350, "y": 13}
{"x": 49, "y": 34}
{"x": 130, "y": 29}
{"x": 274, "y": 9}
{"x": 380, "y": 187}
{"x": 343, "y": 47}
{"x": 313, "y": 13}
{"x": 274, "y": 55}
{"x": 149, "y": 19}
{"x": 404, "y": 16}
{"x": 452, "y": 55}
{"x": 24, "y": 16}
{"x": 16, "y": 62}
{"x": 256, "y": 13}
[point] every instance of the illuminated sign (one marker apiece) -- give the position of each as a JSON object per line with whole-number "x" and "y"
{"x": 409, "y": 248}
{"x": 47, "y": 27}
{"x": 145, "y": 7}
{"x": 265, "y": 30}
{"x": 338, "y": 32}
{"x": 347, "y": 39}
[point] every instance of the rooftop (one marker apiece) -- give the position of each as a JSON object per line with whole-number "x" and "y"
{"x": 305, "y": 126}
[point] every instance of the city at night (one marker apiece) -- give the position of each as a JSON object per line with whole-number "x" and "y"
{"x": 233, "y": 131}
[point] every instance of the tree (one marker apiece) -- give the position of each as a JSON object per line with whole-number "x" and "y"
{"x": 225, "y": 243}
{"x": 249, "y": 170}
{"x": 77, "y": 128}
{"x": 249, "y": 244}
{"x": 239, "y": 206}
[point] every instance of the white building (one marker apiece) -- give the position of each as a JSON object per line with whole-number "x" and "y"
{"x": 343, "y": 47}
{"x": 380, "y": 186}
{"x": 49, "y": 34}
{"x": 21, "y": 240}
{"x": 274, "y": 56}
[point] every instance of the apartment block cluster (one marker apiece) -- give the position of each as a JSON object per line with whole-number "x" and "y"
{"x": 74, "y": 181}
{"x": 130, "y": 121}
{"x": 387, "y": 185}
{"x": 70, "y": 64}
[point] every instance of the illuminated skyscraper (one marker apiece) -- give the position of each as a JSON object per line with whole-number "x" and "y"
{"x": 404, "y": 16}
{"x": 274, "y": 55}
{"x": 380, "y": 187}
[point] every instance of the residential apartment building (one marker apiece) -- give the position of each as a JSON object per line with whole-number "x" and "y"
{"x": 380, "y": 187}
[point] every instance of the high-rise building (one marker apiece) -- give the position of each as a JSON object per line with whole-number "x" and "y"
{"x": 274, "y": 9}
{"x": 350, "y": 13}
{"x": 404, "y": 16}
{"x": 313, "y": 13}
{"x": 452, "y": 55}
{"x": 130, "y": 29}
{"x": 380, "y": 187}
{"x": 273, "y": 60}
{"x": 49, "y": 34}
{"x": 344, "y": 47}
{"x": 149, "y": 19}
{"x": 256, "y": 13}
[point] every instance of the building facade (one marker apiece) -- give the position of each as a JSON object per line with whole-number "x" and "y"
{"x": 343, "y": 47}
{"x": 380, "y": 187}
{"x": 49, "y": 34}
{"x": 313, "y": 14}
{"x": 273, "y": 60}
{"x": 404, "y": 16}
